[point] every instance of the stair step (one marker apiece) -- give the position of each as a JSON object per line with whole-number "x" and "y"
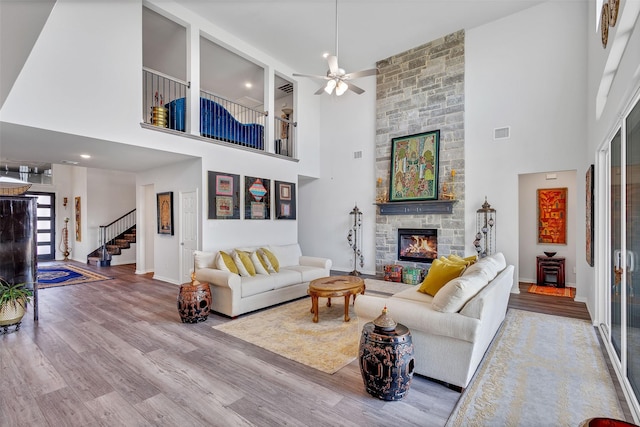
{"x": 113, "y": 250}
{"x": 123, "y": 244}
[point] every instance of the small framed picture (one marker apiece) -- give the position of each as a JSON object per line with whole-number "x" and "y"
{"x": 285, "y": 200}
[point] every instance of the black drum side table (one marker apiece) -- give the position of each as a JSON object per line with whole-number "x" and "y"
{"x": 386, "y": 361}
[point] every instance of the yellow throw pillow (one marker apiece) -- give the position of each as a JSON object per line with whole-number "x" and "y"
{"x": 472, "y": 259}
{"x": 457, "y": 259}
{"x": 244, "y": 264}
{"x": 225, "y": 263}
{"x": 271, "y": 258}
{"x": 439, "y": 275}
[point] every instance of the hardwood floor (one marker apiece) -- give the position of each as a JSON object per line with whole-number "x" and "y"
{"x": 115, "y": 353}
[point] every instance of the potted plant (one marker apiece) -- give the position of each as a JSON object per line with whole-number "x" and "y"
{"x": 13, "y": 303}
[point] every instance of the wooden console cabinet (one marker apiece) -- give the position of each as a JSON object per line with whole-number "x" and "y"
{"x": 550, "y": 271}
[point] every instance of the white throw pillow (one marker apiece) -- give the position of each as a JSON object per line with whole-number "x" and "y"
{"x": 455, "y": 294}
{"x": 241, "y": 268}
{"x": 204, "y": 259}
{"x": 257, "y": 264}
{"x": 491, "y": 266}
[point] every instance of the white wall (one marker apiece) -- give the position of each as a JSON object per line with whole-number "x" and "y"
{"x": 347, "y": 125}
{"x": 521, "y": 74}
{"x": 183, "y": 176}
{"x": 528, "y": 245}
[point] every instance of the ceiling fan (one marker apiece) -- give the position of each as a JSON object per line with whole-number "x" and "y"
{"x": 337, "y": 78}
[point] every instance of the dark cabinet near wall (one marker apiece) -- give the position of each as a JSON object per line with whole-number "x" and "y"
{"x": 18, "y": 244}
{"x": 550, "y": 271}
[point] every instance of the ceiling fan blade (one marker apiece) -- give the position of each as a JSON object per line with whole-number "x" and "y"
{"x": 313, "y": 76}
{"x": 363, "y": 73}
{"x": 333, "y": 64}
{"x": 355, "y": 88}
{"x": 320, "y": 91}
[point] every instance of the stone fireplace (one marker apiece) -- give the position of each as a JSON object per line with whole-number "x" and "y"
{"x": 417, "y": 91}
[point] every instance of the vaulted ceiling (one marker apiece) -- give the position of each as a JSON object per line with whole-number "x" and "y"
{"x": 294, "y": 32}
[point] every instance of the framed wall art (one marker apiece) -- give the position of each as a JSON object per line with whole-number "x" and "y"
{"x": 552, "y": 215}
{"x": 257, "y": 198}
{"x": 165, "y": 213}
{"x": 78, "y": 219}
{"x": 589, "y": 215}
{"x": 414, "y": 167}
{"x": 224, "y": 195}
{"x": 285, "y": 200}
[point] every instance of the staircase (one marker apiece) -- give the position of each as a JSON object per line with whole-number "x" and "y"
{"x": 113, "y": 239}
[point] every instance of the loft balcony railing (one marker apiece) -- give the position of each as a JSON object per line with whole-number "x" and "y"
{"x": 285, "y": 137}
{"x": 165, "y": 106}
{"x": 160, "y": 93}
{"x": 229, "y": 121}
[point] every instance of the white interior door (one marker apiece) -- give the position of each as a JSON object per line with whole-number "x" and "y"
{"x": 188, "y": 232}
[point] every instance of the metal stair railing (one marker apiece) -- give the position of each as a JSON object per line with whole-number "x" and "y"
{"x": 109, "y": 232}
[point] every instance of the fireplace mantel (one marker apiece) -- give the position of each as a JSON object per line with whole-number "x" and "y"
{"x": 422, "y": 207}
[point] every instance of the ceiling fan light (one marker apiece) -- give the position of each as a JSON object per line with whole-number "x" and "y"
{"x": 341, "y": 88}
{"x": 331, "y": 84}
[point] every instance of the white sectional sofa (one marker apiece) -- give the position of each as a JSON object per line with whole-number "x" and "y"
{"x": 235, "y": 294}
{"x": 452, "y": 330}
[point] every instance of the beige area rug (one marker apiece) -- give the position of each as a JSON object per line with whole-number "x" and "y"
{"x": 288, "y": 329}
{"x": 541, "y": 370}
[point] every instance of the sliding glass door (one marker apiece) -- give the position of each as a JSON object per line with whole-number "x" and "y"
{"x": 617, "y": 270}
{"x": 623, "y": 287}
{"x": 632, "y": 299}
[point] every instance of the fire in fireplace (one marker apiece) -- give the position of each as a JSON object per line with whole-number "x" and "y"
{"x": 417, "y": 244}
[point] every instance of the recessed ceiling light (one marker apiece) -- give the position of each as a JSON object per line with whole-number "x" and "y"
{"x": 85, "y": 156}
{"x": 325, "y": 55}
{"x": 248, "y": 85}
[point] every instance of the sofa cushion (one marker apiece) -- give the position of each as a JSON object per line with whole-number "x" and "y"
{"x": 225, "y": 262}
{"x": 414, "y": 295}
{"x": 257, "y": 263}
{"x": 273, "y": 266}
{"x": 244, "y": 264}
{"x": 256, "y": 285}
{"x": 286, "y": 277}
{"x": 287, "y": 254}
{"x": 307, "y": 272}
{"x": 439, "y": 274}
{"x": 455, "y": 294}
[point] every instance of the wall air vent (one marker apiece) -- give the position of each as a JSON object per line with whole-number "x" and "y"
{"x": 502, "y": 133}
{"x": 69, "y": 162}
{"x": 357, "y": 154}
{"x": 286, "y": 88}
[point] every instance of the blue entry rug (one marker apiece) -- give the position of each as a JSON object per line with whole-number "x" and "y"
{"x": 50, "y": 276}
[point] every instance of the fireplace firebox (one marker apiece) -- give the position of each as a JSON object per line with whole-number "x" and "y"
{"x": 417, "y": 244}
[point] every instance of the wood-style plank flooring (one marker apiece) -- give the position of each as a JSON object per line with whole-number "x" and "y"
{"x": 115, "y": 353}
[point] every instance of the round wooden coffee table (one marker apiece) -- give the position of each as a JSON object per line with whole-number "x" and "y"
{"x": 335, "y": 286}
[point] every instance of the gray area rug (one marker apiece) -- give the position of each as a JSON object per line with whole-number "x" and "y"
{"x": 541, "y": 370}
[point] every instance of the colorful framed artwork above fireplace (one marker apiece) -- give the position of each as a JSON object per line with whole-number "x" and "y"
{"x": 414, "y": 167}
